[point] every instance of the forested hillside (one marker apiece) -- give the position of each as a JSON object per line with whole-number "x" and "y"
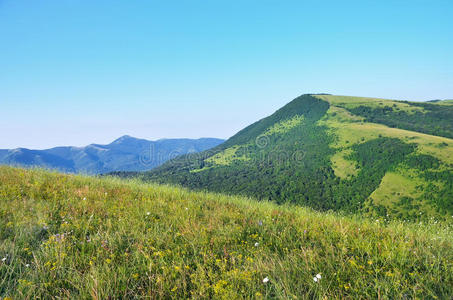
{"x": 380, "y": 157}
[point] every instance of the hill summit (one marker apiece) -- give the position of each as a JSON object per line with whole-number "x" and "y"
{"x": 380, "y": 157}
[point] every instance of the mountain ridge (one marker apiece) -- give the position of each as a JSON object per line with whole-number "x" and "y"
{"x": 123, "y": 154}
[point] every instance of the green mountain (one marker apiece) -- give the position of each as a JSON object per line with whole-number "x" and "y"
{"x": 379, "y": 157}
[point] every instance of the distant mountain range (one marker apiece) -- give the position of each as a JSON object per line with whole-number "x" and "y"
{"x": 124, "y": 154}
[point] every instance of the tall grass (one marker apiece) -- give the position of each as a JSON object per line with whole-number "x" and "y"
{"x": 66, "y": 236}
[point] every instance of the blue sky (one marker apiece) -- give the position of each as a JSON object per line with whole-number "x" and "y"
{"x": 77, "y": 72}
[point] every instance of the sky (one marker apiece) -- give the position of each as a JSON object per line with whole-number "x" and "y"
{"x": 80, "y": 72}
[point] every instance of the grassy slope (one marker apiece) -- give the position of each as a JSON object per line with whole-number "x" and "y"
{"x": 352, "y": 128}
{"x": 405, "y": 181}
{"x": 425, "y": 117}
{"x": 80, "y": 237}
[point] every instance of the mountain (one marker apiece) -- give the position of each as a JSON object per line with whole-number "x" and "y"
{"x": 375, "y": 156}
{"x": 124, "y": 154}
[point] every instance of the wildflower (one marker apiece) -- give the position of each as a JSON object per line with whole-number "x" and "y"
{"x": 84, "y": 198}
{"x": 148, "y": 213}
{"x": 318, "y": 276}
{"x": 187, "y": 208}
{"x": 257, "y": 244}
{"x": 315, "y": 279}
{"x": 27, "y": 265}
{"x": 3, "y": 259}
{"x": 260, "y": 223}
{"x": 265, "y": 280}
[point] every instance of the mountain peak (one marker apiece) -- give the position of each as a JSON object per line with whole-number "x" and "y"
{"x": 124, "y": 137}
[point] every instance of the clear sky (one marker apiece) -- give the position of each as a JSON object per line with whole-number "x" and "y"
{"x": 77, "y": 72}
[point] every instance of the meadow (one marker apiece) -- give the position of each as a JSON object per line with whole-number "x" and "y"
{"x": 76, "y": 237}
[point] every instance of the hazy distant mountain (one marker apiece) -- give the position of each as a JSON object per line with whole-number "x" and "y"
{"x": 124, "y": 154}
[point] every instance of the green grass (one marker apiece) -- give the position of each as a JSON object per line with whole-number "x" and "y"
{"x": 226, "y": 157}
{"x": 66, "y": 236}
{"x": 445, "y": 102}
{"x": 352, "y": 102}
{"x": 284, "y": 126}
{"x": 343, "y": 167}
{"x": 390, "y": 188}
{"x": 350, "y": 130}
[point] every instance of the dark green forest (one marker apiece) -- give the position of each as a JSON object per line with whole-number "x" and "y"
{"x": 435, "y": 120}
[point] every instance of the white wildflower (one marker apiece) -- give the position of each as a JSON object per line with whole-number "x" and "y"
{"x": 257, "y": 244}
{"x": 3, "y": 259}
{"x": 265, "y": 280}
{"x": 318, "y": 276}
{"x": 148, "y": 213}
{"x": 315, "y": 279}
{"x": 27, "y": 265}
